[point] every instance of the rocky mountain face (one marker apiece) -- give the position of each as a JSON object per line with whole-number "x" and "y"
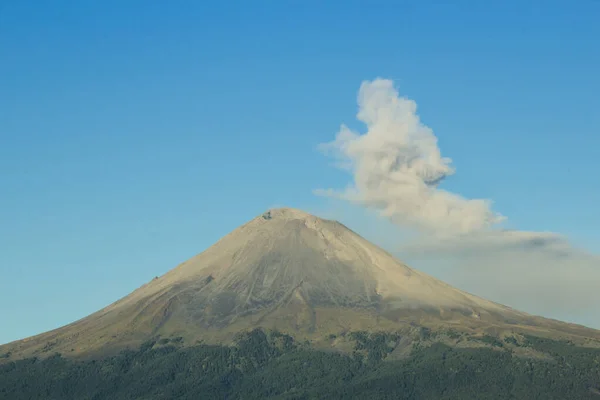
{"x": 296, "y": 273}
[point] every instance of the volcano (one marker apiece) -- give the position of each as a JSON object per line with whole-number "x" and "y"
{"x": 293, "y": 272}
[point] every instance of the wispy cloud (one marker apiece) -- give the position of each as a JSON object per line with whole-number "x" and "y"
{"x": 541, "y": 273}
{"x": 397, "y": 167}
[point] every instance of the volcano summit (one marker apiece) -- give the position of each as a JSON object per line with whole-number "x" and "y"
{"x": 296, "y": 273}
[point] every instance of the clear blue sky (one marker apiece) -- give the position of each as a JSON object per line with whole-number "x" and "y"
{"x": 135, "y": 134}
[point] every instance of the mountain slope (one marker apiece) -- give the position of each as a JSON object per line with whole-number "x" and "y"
{"x": 294, "y": 272}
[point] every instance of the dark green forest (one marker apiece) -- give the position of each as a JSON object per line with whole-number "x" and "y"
{"x": 271, "y": 365}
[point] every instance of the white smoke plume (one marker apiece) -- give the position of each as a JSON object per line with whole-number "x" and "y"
{"x": 397, "y": 166}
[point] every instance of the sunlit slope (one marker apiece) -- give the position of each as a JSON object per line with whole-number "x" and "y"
{"x": 290, "y": 271}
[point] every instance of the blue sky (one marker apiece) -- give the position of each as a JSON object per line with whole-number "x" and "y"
{"x": 133, "y": 135}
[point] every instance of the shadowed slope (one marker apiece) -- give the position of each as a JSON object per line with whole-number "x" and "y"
{"x": 288, "y": 270}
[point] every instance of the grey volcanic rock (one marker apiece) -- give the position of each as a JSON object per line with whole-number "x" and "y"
{"x": 290, "y": 271}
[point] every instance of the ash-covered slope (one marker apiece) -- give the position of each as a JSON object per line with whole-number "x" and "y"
{"x": 286, "y": 256}
{"x": 290, "y": 271}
